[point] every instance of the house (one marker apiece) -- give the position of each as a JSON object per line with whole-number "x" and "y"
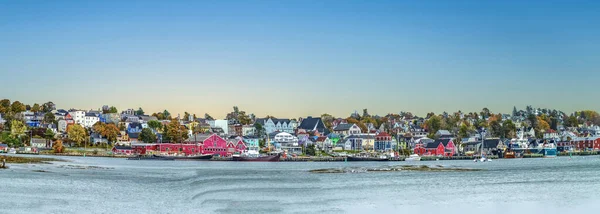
{"x": 2, "y": 121}
{"x": 252, "y": 142}
{"x": 493, "y": 146}
{"x": 551, "y": 134}
{"x": 383, "y": 142}
{"x": 443, "y": 134}
{"x": 97, "y": 139}
{"x": 311, "y": 124}
{"x": 63, "y": 124}
{"x": 282, "y": 125}
{"x": 223, "y": 124}
{"x": 347, "y": 129}
{"x": 236, "y": 146}
{"x": 333, "y": 137}
{"x": 217, "y": 130}
{"x": 586, "y": 143}
{"x": 441, "y": 147}
{"x": 90, "y": 119}
{"x": 110, "y": 118}
{"x": 324, "y": 143}
{"x": 3, "y": 148}
{"x": 344, "y": 145}
{"x": 288, "y": 143}
{"x": 122, "y": 150}
{"x": 134, "y": 128}
{"x": 38, "y": 143}
{"x": 214, "y": 144}
{"x": 248, "y": 130}
{"x": 77, "y": 115}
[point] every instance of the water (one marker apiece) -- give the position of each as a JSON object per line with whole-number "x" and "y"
{"x": 555, "y": 185}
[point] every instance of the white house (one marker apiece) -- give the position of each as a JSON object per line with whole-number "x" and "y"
{"x": 62, "y": 125}
{"x": 223, "y": 124}
{"x": 283, "y": 125}
{"x": 89, "y": 120}
{"x": 347, "y": 129}
{"x": 78, "y": 116}
{"x": 248, "y": 130}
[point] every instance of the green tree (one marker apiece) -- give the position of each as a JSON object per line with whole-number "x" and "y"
{"x": 17, "y": 130}
{"x": 463, "y": 132}
{"x": 147, "y": 136}
{"x": 49, "y": 118}
{"x": 77, "y": 134}
{"x": 327, "y": 120}
{"x": 113, "y": 110}
{"x": 176, "y": 132}
{"x": 496, "y": 128}
{"x": 4, "y": 106}
{"x": 166, "y": 114}
{"x": 509, "y": 129}
{"x": 310, "y": 150}
{"x": 186, "y": 116}
{"x": 48, "y": 135}
{"x": 140, "y": 111}
{"x": 48, "y": 107}
{"x": 36, "y": 108}
{"x": 433, "y": 124}
{"x": 17, "y": 107}
{"x": 243, "y": 118}
{"x": 155, "y": 125}
{"x": 260, "y": 130}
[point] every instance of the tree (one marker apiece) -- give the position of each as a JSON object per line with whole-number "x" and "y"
{"x": 496, "y": 128}
{"x": 310, "y": 150}
{"x": 463, "y": 131}
{"x": 433, "y": 124}
{"x": 361, "y": 125}
{"x": 4, "y": 106}
{"x": 514, "y": 113}
{"x": 58, "y": 146}
{"x": 49, "y": 118}
{"x": 485, "y": 112}
{"x": 48, "y": 135}
{"x": 155, "y": 125}
{"x": 509, "y": 129}
{"x": 111, "y": 132}
{"x": 166, "y": 114}
{"x": 111, "y": 110}
{"x": 208, "y": 117}
{"x": 17, "y": 107}
{"x": 17, "y": 129}
{"x": 99, "y": 127}
{"x": 147, "y": 136}
{"x": 543, "y": 125}
{"x": 48, "y": 107}
{"x": 36, "y": 108}
{"x": 260, "y": 130}
{"x": 243, "y": 118}
{"x": 176, "y": 132}
{"x": 186, "y": 116}
{"x": 140, "y": 111}
{"x": 77, "y": 134}
{"x": 327, "y": 120}
{"x": 366, "y": 113}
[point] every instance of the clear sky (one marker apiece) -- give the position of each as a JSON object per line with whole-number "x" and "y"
{"x": 297, "y": 58}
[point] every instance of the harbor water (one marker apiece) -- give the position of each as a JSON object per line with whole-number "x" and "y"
{"x": 110, "y": 185}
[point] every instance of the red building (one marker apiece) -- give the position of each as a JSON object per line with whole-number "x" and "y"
{"x": 122, "y": 150}
{"x": 167, "y": 148}
{"x": 586, "y": 143}
{"x": 441, "y": 147}
{"x": 215, "y": 145}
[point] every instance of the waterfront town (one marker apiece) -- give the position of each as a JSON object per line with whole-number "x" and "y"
{"x": 530, "y": 132}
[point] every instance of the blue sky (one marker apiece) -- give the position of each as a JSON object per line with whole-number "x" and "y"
{"x": 298, "y": 58}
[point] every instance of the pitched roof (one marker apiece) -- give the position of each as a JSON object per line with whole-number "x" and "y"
{"x": 491, "y": 143}
{"x": 123, "y": 147}
{"x": 343, "y": 127}
{"x": 312, "y": 123}
{"x": 134, "y": 135}
{"x": 432, "y": 145}
{"x": 321, "y": 139}
{"x": 3, "y": 145}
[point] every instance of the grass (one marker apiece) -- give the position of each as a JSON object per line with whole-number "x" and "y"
{"x": 16, "y": 159}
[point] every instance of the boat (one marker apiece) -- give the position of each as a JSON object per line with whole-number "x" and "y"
{"x": 413, "y": 157}
{"x": 509, "y": 154}
{"x": 150, "y": 157}
{"x": 268, "y": 158}
{"x": 358, "y": 158}
{"x": 191, "y": 157}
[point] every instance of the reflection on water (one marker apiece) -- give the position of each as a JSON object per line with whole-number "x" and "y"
{"x": 521, "y": 185}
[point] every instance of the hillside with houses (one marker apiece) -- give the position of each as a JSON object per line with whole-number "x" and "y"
{"x": 39, "y": 127}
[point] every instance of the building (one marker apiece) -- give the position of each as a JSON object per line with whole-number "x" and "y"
{"x": 347, "y": 129}
{"x": 77, "y": 115}
{"x": 441, "y": 147}
{"x": 443, "y": 134}
{"x": 315, "y": 124}
{"x": 90, "y": 119}
{"x": 282, "y": 125}
{"x": 223, "y": 124}
{"x": 3, "y": 148}
{"x": 324, "y": 143}
{"x": 286, "y": 142}
{"x": 252, "y": 143}
{"x": 383, "y": 142}
{"x": 248, "y": 130}
{"x": 214, "y": 144}
{"x": 586, "y": 143}
{"x": 122, "y": 150}
{"x": 551, "y": 134}
{"x": 63, "y": 124}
